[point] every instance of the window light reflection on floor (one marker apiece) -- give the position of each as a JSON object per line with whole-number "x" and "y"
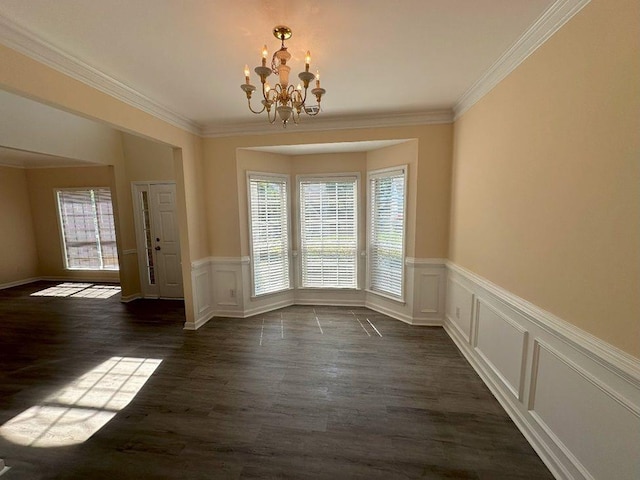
{"x": 85, "y": 290}
{"x": 75, "y": 412}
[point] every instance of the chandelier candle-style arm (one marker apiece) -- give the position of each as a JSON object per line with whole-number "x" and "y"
{"x": 286, "y": 101}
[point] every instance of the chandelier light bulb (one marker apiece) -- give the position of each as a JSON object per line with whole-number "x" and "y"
{"x": 307, "y": 61}
{"x": 317, "y": 78}
{"x": 267, "y": 87}
{"x": 299, "y": 87}
{"x": 246, "y": 74}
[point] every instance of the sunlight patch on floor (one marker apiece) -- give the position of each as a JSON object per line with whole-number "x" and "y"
{"x": 75, "y": 412}
{"x": 85, "y": 290}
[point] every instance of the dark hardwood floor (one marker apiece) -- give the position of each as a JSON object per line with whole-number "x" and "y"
{"x": 280, "y": 395}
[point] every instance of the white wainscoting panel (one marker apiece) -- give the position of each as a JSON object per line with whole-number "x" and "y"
{"x": 459, "y": 307}
{"x": 202, "y": 298}
{"x": 591, "y": 411}
{"x": 429, "y": 292}
{"x": 222, "y": 288}
{"x": 226, "y": 290}
{"x": 426, "y": 290}
{"x": 502, "y": 344}
{"x": 575, "y": 398}
{"x": 203, "y": 292}
{"x": 228, "y": 286}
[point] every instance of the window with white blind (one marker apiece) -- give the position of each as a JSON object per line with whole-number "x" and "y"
{"x": 328, "y": 232}
{"x": 269, "y": 229}
{"x": 386, "y": 231}
{"x": 88, "y": 231}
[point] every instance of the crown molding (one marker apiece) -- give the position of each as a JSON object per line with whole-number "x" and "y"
{"x": 347, "y": 122}
{"x": 549, "y": 23}
{"x": 33, "y": 46}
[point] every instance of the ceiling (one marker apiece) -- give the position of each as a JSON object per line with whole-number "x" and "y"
{"x": 377, "y": 58}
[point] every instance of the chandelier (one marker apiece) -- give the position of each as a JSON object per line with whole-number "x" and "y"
{"x": 286, "y": 101}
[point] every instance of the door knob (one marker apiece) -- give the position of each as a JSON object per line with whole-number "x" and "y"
{"x": 158, "y": 247}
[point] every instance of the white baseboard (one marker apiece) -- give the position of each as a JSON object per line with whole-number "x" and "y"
{"x": 327, "y": 302}
{"x": 575, "y": 398}
{"x": 198, "y": 323}
{"x": 26, "y": 281}
{"x": 130, "y": 298}
{"x": 389, "y": 312}
{"x": 17, "y": 283}
{"x": 265, "y": 308}
{"x": 80, "y": 279}
{"x": 426, "y": 322}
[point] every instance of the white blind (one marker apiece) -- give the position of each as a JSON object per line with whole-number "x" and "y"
{"x": 328, "y": 232}
{"x": 88, "y": 229}
{"x": 269, "y": 234}
{"x": 386, "y": 233}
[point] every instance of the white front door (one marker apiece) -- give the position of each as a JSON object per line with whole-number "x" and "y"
{"x": 158, "y": 240}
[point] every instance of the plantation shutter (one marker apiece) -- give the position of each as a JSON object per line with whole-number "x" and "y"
{"x": 328, "y": 232}
{"x": 386, "y": 234}
{"x": 269, "y": 234}
{"x": 88, "y": 229}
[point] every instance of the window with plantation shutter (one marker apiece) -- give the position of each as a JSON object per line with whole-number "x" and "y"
{"x": 269, "y": 224}
{"x": 88, "y": 230}
{"x": 386, "y": 232}
{"x": 328, "y": 232}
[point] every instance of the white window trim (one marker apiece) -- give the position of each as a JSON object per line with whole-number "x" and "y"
{"x": 268, "y": 176}
{"x": 63, "y": 242}
{"x": 372, "y": 174}
{"x": 297, "y": 257}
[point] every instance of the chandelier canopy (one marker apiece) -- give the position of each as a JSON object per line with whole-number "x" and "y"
{"x": 286, "y": 101}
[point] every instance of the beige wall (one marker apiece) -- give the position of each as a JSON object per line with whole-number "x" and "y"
{"x": 147, "y": 161}
{"x": 42, "y": 183}
{"x": 18, "y": 254}
{"x": 546, "y": 199}
{"x": 144, "y": 161}
{"x": 396, "y": 155}
{"x": 432, "y": 183}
